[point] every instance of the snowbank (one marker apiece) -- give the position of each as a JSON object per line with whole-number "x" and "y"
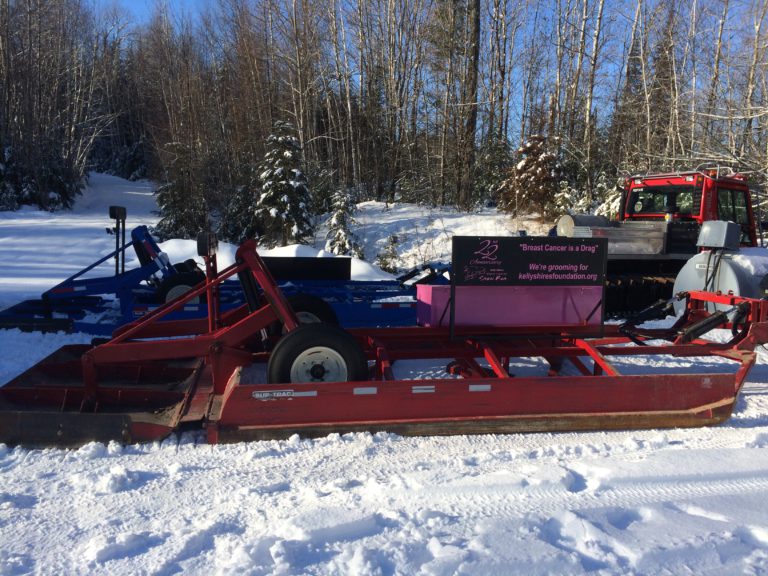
{"x": 424, "y": 234}
{"x": 181, "y": 250}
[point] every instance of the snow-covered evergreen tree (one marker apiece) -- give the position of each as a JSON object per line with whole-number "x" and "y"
{"x": 340, "y": 239}
{"x": 565, "y": 199}
{"x": 607, "y": 197}
{"x": 283, "y": 207}
{"x": 493, "y": 163}
{"x": 323, "y": 187}
{"x": 238, "y": 213}
{"x": 571, "y": 200}
{"x": 238, "y": 219}
{"x": 184, "y": 214}
{"x": 182, "y": 198}
{"x": 9, "y": 194}
{"x": 387, "y": 260}
{"x": 534, "y": 181}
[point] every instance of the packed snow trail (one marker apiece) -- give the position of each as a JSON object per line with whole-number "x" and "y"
{"x": 629, "y": 502}
{"x": 40, "y": 249}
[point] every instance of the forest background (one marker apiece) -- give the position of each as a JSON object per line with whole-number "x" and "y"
{"x": 255, "y": 115}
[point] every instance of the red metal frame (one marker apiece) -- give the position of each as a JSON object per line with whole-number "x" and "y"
{"x": 494, "y": 399}
{"x": 153, "y": 377}
{"x": 220, "y": 339}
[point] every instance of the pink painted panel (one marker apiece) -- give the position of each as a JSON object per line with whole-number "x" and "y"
{"x": 510, "y": 305}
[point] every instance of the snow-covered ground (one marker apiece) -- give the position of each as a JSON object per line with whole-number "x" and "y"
{"x": 636, "y": 502}
{"x": 424, "y": 235}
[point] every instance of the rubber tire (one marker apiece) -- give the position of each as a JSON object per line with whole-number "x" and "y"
{"x": 339, "y": 342}
{"x": 189, "y": 266}
{"x": 312, "y": 305}
{"x": 178, "y": 284}
{"x": 309, "y": 309}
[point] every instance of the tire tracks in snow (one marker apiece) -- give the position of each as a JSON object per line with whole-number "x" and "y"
{"x": 471, "y": 503}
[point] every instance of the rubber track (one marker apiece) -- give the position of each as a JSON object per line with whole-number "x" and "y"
{"x": 627, "y": 293}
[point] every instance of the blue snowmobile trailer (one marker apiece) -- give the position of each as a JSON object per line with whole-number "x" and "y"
{"x": 318, "y": 288}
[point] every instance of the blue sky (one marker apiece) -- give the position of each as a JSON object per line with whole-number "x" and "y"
{"x": 141, "y": 10}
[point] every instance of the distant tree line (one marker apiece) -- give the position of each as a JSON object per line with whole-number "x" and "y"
{"x": 433, "y": 101}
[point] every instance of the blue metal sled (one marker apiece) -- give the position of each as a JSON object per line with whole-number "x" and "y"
{"x": 318, "y": 286}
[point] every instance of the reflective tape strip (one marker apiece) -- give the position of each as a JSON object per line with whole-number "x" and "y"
{"x": 479, "y": 387}
{"x": 395, "y": 305}
{"x": 423, "y": 389}
{"x": 366, "y": 391}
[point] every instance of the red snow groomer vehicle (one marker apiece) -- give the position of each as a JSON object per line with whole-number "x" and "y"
{"x": 655, "y": 232}
{"x": 516, "y": 343}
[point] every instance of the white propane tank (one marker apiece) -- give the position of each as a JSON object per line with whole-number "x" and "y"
{"x": 739, "y": 272}
{"x": 568, "y": 226}
{"x": 723, "y": 266}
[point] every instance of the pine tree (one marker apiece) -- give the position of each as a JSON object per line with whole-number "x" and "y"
{"x": 184, "y": 213}
{"x": 608, "y": 197}
{"x": 534, "y": 181}
{"x": 568, "y": 200}
{"x": 340, "y": 239}
{"x": 627, "y": 131}
{"x": 238, "y": 222}
{"x": 662, "y": 95}
{"x": 387, "y": 260}
{"x": 493, "y": 162}
{"x": 283, "y": 208}
{"x": 182, "y": 199}
{"x": 9, "y": 189}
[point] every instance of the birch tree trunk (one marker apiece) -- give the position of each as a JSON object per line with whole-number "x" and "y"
{"x": 758, "y": 56}
{"x": 588, "y": 128}
{"x": 715, "y": 78}
{"x": 469, "y": 108}
{"x": 448, "y": 91}
{"x": 576, "y": 78}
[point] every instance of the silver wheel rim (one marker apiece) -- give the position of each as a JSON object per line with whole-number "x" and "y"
{"x": 304, "y": 317}
{"x": 177, "y": 291}
{"x": 319, "y": 364}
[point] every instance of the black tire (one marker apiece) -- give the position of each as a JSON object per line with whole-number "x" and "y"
{"x": 207, "y": 244}
{"x": 317, "y": 353}
{"x": 189, "y": 266}
{"x": 178, "y": 284}
{"x": 312, "y": 309}
{"x": 309, "y": 309}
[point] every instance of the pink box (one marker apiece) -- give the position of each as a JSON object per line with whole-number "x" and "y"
{"x": 510, "y": 305}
